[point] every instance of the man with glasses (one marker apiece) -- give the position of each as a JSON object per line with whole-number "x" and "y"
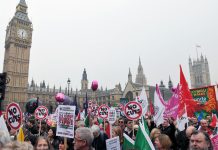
{"x": 121, "y": 123}
{"x": 83, "y": 139}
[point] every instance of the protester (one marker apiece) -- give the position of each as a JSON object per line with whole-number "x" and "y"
{"x": 117, "y": 131}
{"x": 100, "y": 138}
{"x": 183, "y": 138}
{"x": 200, "y": 141}
{"x": 52, "y": 138}
{"x": 121, "y": 123}
{"x": 83, "y": 139}
{"x": 195, "y": 123}
{"x": 42, "y": 144}
{"x": 168, "y": 128}
{"x": 155, "y": 132}
{"x": 129, "y": 128}
{"x": 204, "y": 127}
{"x": 162, "y": 142}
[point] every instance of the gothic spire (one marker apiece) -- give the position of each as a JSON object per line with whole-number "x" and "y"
{"x": 23, "y": 3}
{"x": 170, "y": 83}
{"x": 129, "y": 76}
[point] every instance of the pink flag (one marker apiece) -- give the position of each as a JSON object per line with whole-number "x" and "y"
{"x": 172, "y": 106}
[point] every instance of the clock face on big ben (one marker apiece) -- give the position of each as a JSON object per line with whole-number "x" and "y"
{"x": 22, "y": 33}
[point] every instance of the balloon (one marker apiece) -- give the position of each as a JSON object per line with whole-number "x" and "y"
{"x": 94, "y": 85}
{"x": 67, "y": 100}
{"x": 60, "y": 97}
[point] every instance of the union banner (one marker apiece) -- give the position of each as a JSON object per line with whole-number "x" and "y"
{"x": 206, "y": 96}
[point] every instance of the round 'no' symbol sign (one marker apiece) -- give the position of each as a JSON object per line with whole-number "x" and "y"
{"x": 133, "y": 110}
{"x": 103, "y": 111}
{"x": 41, "y": 112}
{"x": 14, "y": 116}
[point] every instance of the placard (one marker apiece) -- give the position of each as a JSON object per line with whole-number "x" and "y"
{"x": 103, "y": 111}
{"x": 65, "y": 121}
{"x": 133, "y": 110}
{"x": 41, "y": 112}
{"x": 113, "y": 143}
{"x": 14, "y": 116}
{"x": 112, "y": 115}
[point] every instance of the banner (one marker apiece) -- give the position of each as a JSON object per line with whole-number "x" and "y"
{"x": 206, "y": 96}
{"x": 171, "y": 109}
{"x": 65, "y": 122}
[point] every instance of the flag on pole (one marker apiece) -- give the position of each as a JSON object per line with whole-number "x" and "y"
{"x": 186, "y": 98}
{"x": 213, "y": 121}
{"x": 128, "y": 143}
{"x": 143, "y": 141}
{"x": 20, "y": 135}
{"x": 158, "y": 107}
{"x": 182, "y": 121}
{"x": 143, "y": 100}
{"x": 86, "y": 121}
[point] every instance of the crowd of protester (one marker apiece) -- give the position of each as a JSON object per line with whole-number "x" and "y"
{"x": 166, "y": 136}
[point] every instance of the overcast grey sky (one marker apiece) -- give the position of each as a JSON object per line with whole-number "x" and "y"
{"x": 107, "y": 37}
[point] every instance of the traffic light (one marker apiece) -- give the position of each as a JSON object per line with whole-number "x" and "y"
{"x": 2, "y": 85}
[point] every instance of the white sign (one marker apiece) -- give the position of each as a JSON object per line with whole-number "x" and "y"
{"x": 65, "y": 121}
{"x": 103, "y": 111}
{"x": 112, "y": 115}
{"x": 133, "y": 110}
{"x": 14, "y": 116}
{"x": 41, "y": 112}
{"x": 113, "y": 143}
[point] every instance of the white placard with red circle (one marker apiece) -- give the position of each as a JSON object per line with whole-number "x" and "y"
{"x": 41, "y": 112}
{"x": 133, "y": 110}
{"x": 14, "y": 116}
{"x": 103, "y": 111}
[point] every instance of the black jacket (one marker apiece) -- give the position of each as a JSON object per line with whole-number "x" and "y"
{"x": 99, "y": 142}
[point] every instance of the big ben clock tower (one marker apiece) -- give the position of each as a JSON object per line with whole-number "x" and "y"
{"x": 17, "y": 54}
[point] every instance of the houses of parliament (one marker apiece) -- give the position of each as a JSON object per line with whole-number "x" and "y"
{"x": 18, "y": 43}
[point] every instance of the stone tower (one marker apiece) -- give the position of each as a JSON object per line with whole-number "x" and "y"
{"x": 199, "y": 72}
{"x": 140, "y": 77}
{"x": 130, "y": 76}
{"x": 17, "y": 54}
{"x": 84, "y": 81}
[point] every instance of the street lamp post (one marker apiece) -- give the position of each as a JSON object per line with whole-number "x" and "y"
{"x": 68, "y": 83}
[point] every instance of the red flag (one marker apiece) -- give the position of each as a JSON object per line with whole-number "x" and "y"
{"x": 151, "y": 108}
{"x": 78, "y": 117}
{"x": 108, "y": 130}
{"x": 213, "y": 121}
{"x": 185, "y": 98}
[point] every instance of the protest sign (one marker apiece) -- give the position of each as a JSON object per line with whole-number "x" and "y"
{"x": 65, "y": 121}
{"x": 14, "y": 116}
{"x": 41, "y": 112}
{"x": 113, "y": 143}
{"x": 103, "y": 111}
{"x": 112, "y": 115}
{"x": 133, "y": 110}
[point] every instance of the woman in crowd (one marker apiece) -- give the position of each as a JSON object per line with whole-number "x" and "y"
{"x": 117, "y": 131}
{"x": 42, "y": 144}
{"x": 52, "y": 138}
{"x": 162, "y": 142}
{"x": 155, "y": 132}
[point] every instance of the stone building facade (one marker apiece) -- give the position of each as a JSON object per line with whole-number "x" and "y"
{"x": 199, "y": 72}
